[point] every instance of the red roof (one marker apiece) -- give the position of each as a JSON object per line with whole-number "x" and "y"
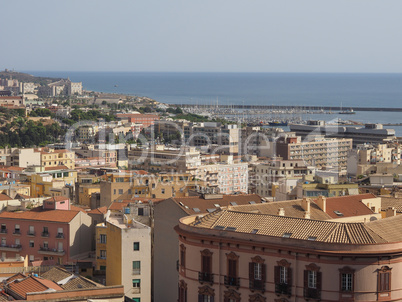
{"x": 4, "y": 197}
{"x": 57, "y": 198}
{"x": 31, "y": 285}
{"x": 350, "y": 205}
{"x": 61, "y": 167}
{"x": 117, "y": 206}
{"x": 101, "y": 210}
{"x": 64, "y": 216}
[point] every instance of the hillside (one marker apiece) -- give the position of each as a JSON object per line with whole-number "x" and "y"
{"x": 24, "y": 77}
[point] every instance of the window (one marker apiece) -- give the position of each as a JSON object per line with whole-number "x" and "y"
{"x": 103, "y": 238}
{"x": 206, "y": 267}
{"x": 136, "y": 246}
{"x": 31, "y": 243}
{"x": 114, "y": 191}
{"x": 140, "y": 211}
{"x": 182, "y": 291}
{"x": 136, "y": 283}
{"x": 31, "y": 230}
{"x": 231, "y": 296}
{"x": 45, "y": 232}
{"x": 60, "y": 233}
{"x": 205, "y": 294}
{"x": 45, "y": 245}
{"x": 231, "y": 278}
{"x": 384, "y": 279}
{"x": 136, "y": 267}
{"x": 346, "y": 279}
{"x": 163, "y": 191}
{"x": 102, "y": 254}
{"x": 283, "y": 277}
{"x": 3, "y": 228}
{"x": 257, "y": 274}
{"x": 312, "y": 282}
{"x": 137, "y": 299}
{"x": 17, "y": 229}
{"x": 182, "y": 257}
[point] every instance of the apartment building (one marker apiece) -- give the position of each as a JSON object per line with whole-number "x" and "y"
{"x": 129, "y": 185}
{"x": 96, "y": 151}
{"x": 369, "y": 134}
{"x": 53, "y": 158}
{"x": 12, "y": 101}
{"x": 364, "y": 159}
{"x": 161, "y": 158}
{"x": 146, "y": 120}
{"x": 319, "y": 151}
{"x": 237, "y": 255}
{"x": 51, "y": 232}
{"x": 128, "y": 254}
{"x": 267, "y": 175}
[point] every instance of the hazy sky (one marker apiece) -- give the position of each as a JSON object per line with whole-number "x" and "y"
{"x": 202, "y": 35}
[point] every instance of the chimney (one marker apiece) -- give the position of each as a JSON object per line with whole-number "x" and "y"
{"x": 306, "y": 215}
{"x": 305, "y": 204}
{"x": 322, "y": 203}
{"x": 390, "y": 212}
{"x": 281, "y": 212}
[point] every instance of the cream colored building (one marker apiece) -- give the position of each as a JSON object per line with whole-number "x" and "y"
{"x": 128, "y": 255}
{"x": 53, "y": 158}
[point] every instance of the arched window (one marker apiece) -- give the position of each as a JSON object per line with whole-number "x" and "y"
{"x": 257, "y": 274}
{"x": 312, "y": 282}
{"x": 283, "y": 278}
{"x": 206, "y": 294}
{"x": 231, "y": 278}
{"x": 182, "y": 291}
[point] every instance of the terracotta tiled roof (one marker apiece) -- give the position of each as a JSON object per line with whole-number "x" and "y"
{"x": 350, "y": 205}
{"x": 78, "y": 282}
{"x": 49, "y": 215}
{"x": 30, "y": 285}
{"x": 57, "y": 198}
{"x": 56, "y": 274}
{"x": 81, "y": 208}
{"x": 292, "y": 208}
{"x": 5, "y": 197}
{"x": 388, "y": 228}
{"x": 101, "y": 210}
{"x": 296, "y": 228}
{"x": 387, "y": 202}
{"x": 197, "y": 204}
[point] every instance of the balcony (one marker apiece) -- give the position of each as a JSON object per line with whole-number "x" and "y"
{"x": 312, "y": 293}
{"x": 45, "y": 234}
{"x": 49, "y": 251}
{"x": 205, "y": 277}
{"x": 136, "y": 272}
{"x": 31, "y": 233}
{"x": 60, "y": 236}
{"x": 232, "y": 281}
{"x": 136, "y": 290}
{"x": 10, "y": 248}
{"x": 257, "y": 285}
{"x": 17, "y": 232}
{"x": 283, "y": 289}
{"x": 3, "y": 231}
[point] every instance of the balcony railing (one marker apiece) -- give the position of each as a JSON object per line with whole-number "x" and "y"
{"x": 49, "y": 251}
{"x": 3, "y": 231}
{"x": 232, "y": 281}
{"x": 257, "y": 285}
{"x": 312, "y": 293}
{"x": 136, "y": 271}
{"x": 283, "y": 288}
{"x": 17, "y": 232}
{"x": 205, "y": 277}
{"x": 60, "y": 235}
{"x": 10, "y": 248}
{"x": 31, "y": 233}
{"x": 45, "y": 234}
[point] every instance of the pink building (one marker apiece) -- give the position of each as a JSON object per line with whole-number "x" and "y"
{"x": 50, "y": 233}
{"x": 233, "y": 256}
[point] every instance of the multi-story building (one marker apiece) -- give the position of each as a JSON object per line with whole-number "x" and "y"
{"x": 50, "y": 233}
{"x": 54, "y": 158}
{"x": 146, "y": 120}
{"x": 11, "y": 101}
{"x": 128, "y": 253}
{"x": 268, "y": 174}
{"x": 27, "y": 88}
{"x": 319, "y": 151}
{"x": 364, "y": 159}
{"x": 96, "y": 151}
{"x": 161, "y": 158}
{"x": 120, "y": 186}
{"x": 369, "y": 134}
{"x": 233, "y": 255}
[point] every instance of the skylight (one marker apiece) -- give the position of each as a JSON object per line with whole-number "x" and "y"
{"x": 338, "y": 213}
{"x": 254, "y": 231}
{"x": 287, "y": 235}
{"x": 312, "y": 238}
{"x": 233, "y": 203}
{"x": 251, "y": 202}
{"x": 219, "y": 227}
{"x": 230, "y": 229}
{"x": 197, "y": 210}
{"x": 211, "y": 210}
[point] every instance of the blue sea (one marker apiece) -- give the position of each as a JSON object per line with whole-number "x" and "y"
{"x": 303, "y": 89}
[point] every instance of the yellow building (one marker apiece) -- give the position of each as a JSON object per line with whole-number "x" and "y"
{"x": 119, "y": 186}
{"x": 101, "y": 235}
{"x": 85, "y": 192}
{"x": 54, "y": 158}
{"x": 48, "y": 181}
